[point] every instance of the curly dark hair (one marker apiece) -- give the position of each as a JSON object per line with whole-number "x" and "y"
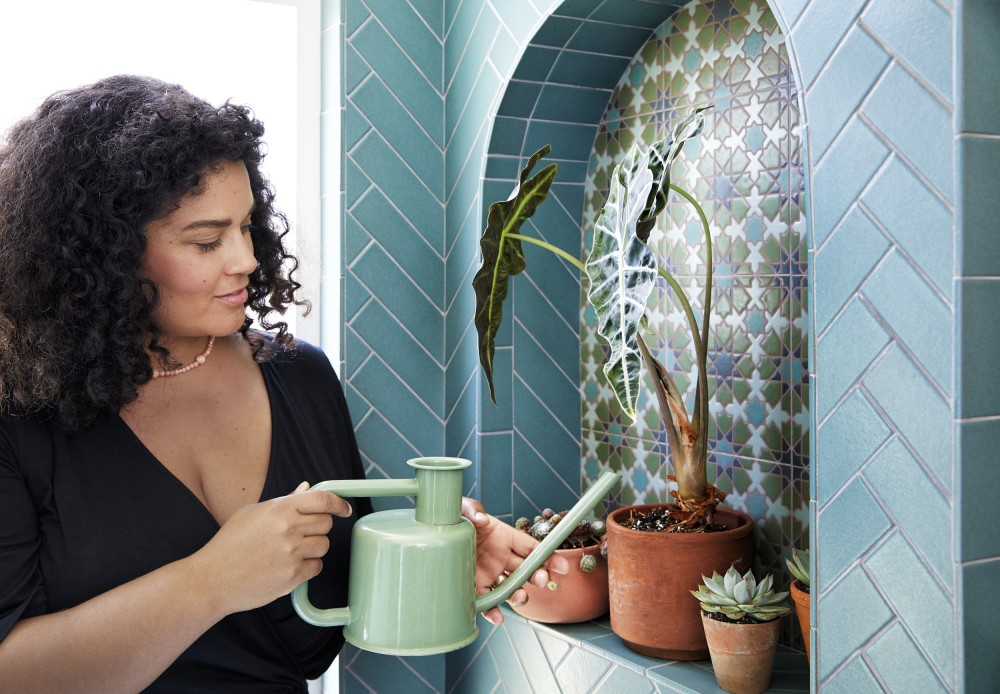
{"x": 80, "y": 180}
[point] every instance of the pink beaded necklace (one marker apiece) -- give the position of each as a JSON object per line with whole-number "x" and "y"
{"x": 198, "y": 361}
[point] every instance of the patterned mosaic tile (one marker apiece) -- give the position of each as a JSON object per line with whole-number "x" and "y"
{"x": 746, "y": 171}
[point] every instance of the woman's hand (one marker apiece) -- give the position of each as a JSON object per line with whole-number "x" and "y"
{"x": 500, "y": 548}
{"x": 266, "y": 549}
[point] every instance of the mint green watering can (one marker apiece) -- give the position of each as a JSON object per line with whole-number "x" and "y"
{"x": 412, "y": 580}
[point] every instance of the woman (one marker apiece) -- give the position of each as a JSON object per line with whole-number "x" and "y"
{"x": 154, "y": 450}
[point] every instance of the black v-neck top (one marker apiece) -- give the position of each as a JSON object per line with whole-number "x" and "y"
{"x": 84, "y": 512}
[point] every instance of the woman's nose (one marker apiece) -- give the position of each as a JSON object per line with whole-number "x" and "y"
{"x": 244, "y": 262}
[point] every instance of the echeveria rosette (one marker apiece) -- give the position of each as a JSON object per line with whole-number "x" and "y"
{"x": 503, "y": 256}
{"x": 738, "y": 596}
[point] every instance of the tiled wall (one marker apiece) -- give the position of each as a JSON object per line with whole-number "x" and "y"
{"x": 905, "y": 262}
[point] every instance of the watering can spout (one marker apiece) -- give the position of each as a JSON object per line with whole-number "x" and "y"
{"x": 551, "y": 543}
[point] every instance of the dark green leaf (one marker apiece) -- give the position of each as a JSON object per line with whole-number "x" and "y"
{"x": 503, "y": 257}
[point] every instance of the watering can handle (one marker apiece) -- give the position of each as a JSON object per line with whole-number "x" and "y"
{"x": 556, "y": 537}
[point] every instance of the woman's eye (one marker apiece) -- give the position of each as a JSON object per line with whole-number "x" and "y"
{"x": 210, "y": 246}
{"x": 246, "y": 228}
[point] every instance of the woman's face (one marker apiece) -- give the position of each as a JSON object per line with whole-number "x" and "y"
{"x": 201, "y": 255}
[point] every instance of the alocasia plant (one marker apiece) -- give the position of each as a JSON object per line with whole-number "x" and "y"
{"x": 622, "y": 270}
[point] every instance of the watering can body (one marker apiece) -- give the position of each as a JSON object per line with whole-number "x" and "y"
{"x": 411, "y": 589}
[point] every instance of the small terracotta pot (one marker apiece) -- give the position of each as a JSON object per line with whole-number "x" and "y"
{"x": 742, "y": 654}
{"x": 578, "y": 597}
{"x": 651, "y": 575}
{"x": 801, "y": 600}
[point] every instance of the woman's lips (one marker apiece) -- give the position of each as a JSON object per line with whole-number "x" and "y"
{"x": 237, "y": 298}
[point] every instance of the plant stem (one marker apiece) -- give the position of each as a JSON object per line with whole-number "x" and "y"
{"x": 549, "y": 247}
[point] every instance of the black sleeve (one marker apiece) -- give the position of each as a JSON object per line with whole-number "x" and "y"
{"x": 21, "y": 590}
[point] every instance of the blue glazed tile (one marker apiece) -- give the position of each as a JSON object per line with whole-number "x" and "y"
{"x": 402, "y": 78}
{"x": 925, "y": 137}
{"x": 541, "y": 320}
{"x": 915, "y": 504}
{"x": 917, "y": 220}
{"x": 538, "y": 432}
{"x": 894, "y": 289}
{"x": 401, "y": 353}
{"x": 355, "y": 127}
{"x": 521, "y": 18}
{"x": 356, "y": 239}
{"x": 852, "y": 612}
{"x": 396, "y": 126}
{"x": 571, "y": 104}
{"x": 536, "y": 63}
{"x": 496, "y": 473}
{"x": 901, "y": 666}
{"x": 431, "y": 12}
{"x": 471, "y": 116}
{"x": 462, "y": 175}
{"x": 980, "y": 480}
{"x": 330, "y": 53}
{"x": 689, "y": 678}
{"x": 636, "y": 12}
{"x": 609, "y": 39}
{"x": 461, "y": 23}
{"x": 416, "y": 39}
{"x": 581, "y": 671}
{"x": 501, "y": 649}
{"x": 537, "y": 485}
{"x": 916, "y": 598}
{"x": 396, "y": 290}
{"x": 406, "y": 190}
{"x": 848, "y": 527}
{"x": 856, "y": 238}
{"x": 979, "y": 349}
{"x": 419, "y": 260}
{"x": 356, "y": 69}
{"x": 355, "y": 296}
{"x": 546, "y": 377}
{"x": 847, "y": 168}
{"x": 981, "y": 670}
{"x": 788, "y": 13}
{"x": 519, "y": 99}
{"x": 613, "y": 648}
{"x": 355, "y": 14}
{"x": 505, "y": 53}
{"x": 979, "y": 64}
{"x": 853, "y": 679}
{"x": 389, "y": 674}
{"x": 576, "y": 8}
{"x": 625, "y": 680}
{"x": 568, "y": 140}
{"x": 817, "y": 32}
{"x": 855, "y": 432}
{"x": 840, "y": 89}
{"x": 919, "y": 33}
{"x": 844, "y": 352}
{"x": 979, "y": 254}
{"x": 408, "y": 413}
{"x": 529, "y": 652}
{"x": 374, "y": 428}
{"x": 331, "y": 12}
{"x": 556, "y": 31}
{"x": 918, "y": 411}
{"x": 554, "y": 647}
{"x": 498, "y": 417}
{"x": 587, "y": 69}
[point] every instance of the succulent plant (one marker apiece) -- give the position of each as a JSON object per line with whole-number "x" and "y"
{"x": 737, "y": 597}
{"x": 799, "y": 566}
{"x": 586, "y": 534}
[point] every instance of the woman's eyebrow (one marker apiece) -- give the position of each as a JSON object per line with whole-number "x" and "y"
{"x": 213, "y": 223}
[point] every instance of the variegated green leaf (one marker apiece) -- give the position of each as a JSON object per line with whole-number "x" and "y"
{"x": 503, "y": 256}
{"x": 622, "y": 271}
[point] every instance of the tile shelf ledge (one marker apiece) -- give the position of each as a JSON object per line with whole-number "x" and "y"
{"x": 790, "y": 676}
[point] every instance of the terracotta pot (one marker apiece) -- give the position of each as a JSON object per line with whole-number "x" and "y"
{"x": 801, "y": 600}
{"x": 742, "y": 654}
{"x": 578, "y": 597}
{"x": 650, "y": 576}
